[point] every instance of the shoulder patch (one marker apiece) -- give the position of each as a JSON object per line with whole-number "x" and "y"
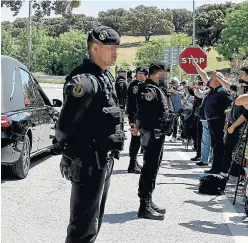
{"x": 135, "y": 89}
{"x": 82, "y": 83}
{"x": 78, "y": 90}
{"x": 149, "y": 96}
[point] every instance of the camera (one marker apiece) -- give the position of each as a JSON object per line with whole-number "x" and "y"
{"x": 200, "y": 83}
{"x": 241, "y": 81}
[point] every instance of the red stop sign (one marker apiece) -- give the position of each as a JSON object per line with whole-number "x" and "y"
{"x": 185, "y": 59}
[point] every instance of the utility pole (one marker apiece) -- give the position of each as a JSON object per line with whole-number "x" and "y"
{"x": 193, "y": 37}
{"x": 193, "y": 22}
{"x": 29, "y": 33}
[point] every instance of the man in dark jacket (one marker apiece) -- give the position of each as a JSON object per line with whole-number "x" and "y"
{"x": 215, "y": 104}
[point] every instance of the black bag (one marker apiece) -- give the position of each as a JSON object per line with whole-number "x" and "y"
{"x": 212, "y": 184}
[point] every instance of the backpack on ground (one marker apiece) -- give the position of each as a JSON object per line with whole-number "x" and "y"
{"x": 212, "y": 184}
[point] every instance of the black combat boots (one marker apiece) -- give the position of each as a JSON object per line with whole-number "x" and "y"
{"x": 134, "y": 167}
{"x": 146, "y": 210}
{"x": 156, "y": 208}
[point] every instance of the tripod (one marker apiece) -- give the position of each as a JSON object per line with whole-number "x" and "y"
{"x": 242, "y": 160}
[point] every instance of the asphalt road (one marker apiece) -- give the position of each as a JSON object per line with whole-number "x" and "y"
{"x": 36, "y": 209}
{"x": 53, "y": 91}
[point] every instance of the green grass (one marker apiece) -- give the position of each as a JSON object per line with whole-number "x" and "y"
{"x": 38, "y": 74}
{"x": 51, "y": 81}
{"x": 131, "y": 39}
{"x": 213, "y": 63}
{"x": 128, "y": 54}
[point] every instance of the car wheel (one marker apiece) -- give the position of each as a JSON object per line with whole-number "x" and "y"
{"x": 21, "y": 167}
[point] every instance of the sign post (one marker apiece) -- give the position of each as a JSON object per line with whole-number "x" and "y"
{"x": 171, "y": 56}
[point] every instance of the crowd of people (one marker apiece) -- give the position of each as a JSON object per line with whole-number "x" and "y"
{"x": 207, "y": 116}
{"x": 216, "y": 131}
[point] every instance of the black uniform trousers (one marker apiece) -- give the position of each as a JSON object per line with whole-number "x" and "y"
{"x": 175, "y": 126}
{"x": 197, "y": 134}
{"x": 153, "y": 154}
{"x": 87, "y": 204}
{"x": 216, "y": 128}
{"x": 229, "y": 146}
{"x": 134, "y": 146}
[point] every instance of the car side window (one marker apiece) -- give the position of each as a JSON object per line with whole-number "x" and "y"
{"x": 39, "y": 98}
{"x": 28, "y": 89}
{"x": 41, "y": 93}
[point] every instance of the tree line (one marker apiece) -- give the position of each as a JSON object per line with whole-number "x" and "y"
{"x": 58, "y": 44}
{"x": 142, "y": 20}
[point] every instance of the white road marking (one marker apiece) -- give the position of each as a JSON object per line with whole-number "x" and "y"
{"x": 239, "y": 229}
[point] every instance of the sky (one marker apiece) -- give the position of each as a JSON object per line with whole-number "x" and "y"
{"x": 92, "y": 8}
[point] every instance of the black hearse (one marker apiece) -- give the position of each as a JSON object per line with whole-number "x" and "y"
{"x": 27, "y": 117}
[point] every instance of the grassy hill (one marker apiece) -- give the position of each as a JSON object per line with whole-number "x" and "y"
{"x": 131, "y": 39}
{"x": 128, "y": 54}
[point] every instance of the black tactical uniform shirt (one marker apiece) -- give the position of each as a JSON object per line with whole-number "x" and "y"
{"x": 121, "y": 87}
{"x": 132, "y": 93}
{"x": 151, "y": 104}
{"x": 81, "y": 119}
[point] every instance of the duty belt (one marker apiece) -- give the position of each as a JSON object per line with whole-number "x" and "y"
{"x": 213, "y": 118}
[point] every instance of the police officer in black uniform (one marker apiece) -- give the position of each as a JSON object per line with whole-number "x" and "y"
{"x": 151, "y": 121}
{"x": 131, "y": 111}
{"x": 121, "y": 87}
{"x": 87, "y": 130}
